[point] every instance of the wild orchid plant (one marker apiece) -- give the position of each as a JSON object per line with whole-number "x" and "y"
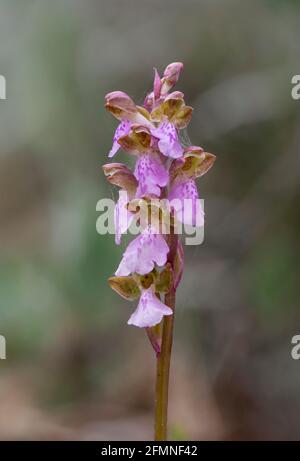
{"x": 159, "y": 195}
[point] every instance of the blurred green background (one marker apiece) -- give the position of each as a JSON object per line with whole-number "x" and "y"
{"x": 74, "y": 369}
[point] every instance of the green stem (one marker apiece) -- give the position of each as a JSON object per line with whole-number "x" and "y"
{"x": 164, "y": 358}
{"x": 162, "y": 375}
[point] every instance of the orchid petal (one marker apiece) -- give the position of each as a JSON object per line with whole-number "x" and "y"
{"x": 149, "y": 311}
{"x": 168, "y": 143}
{"x": 122, "y": 130}
{"x": 142, "y": 254}
{"x": 122, "y": 217}
{"x": 185, "y": 200}
{"x": 151, "y": 174}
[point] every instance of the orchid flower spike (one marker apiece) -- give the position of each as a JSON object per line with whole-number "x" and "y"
{"x": 164, "y": 169}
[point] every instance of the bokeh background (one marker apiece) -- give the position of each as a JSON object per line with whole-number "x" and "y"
{"x": 74, "y": 369}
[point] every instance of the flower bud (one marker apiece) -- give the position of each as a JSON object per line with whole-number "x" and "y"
{"x": 171, "y": 76}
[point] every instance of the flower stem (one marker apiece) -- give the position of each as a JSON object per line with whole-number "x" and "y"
{"x": 164, "y": 358}
{"x": 162, "y": 374}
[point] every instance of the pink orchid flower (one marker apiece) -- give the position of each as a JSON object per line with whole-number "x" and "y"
{"x": 141, "y": 255}
{"x": 149, "y": 311}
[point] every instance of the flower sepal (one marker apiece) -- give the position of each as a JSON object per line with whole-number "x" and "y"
{"x": 164, "y": 280}
{"x": 173, "y": 109}
{"x": 138, "y": 140}
{"x": 197, "y": 162}
{"x": 125, "y": 286}
{"x": 194, "y": 164}
{"x": 119, "y": 175}
{"x": 121, "y": 106}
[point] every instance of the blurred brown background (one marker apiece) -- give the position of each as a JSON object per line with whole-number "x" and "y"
{"x": 74, "y": 369}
